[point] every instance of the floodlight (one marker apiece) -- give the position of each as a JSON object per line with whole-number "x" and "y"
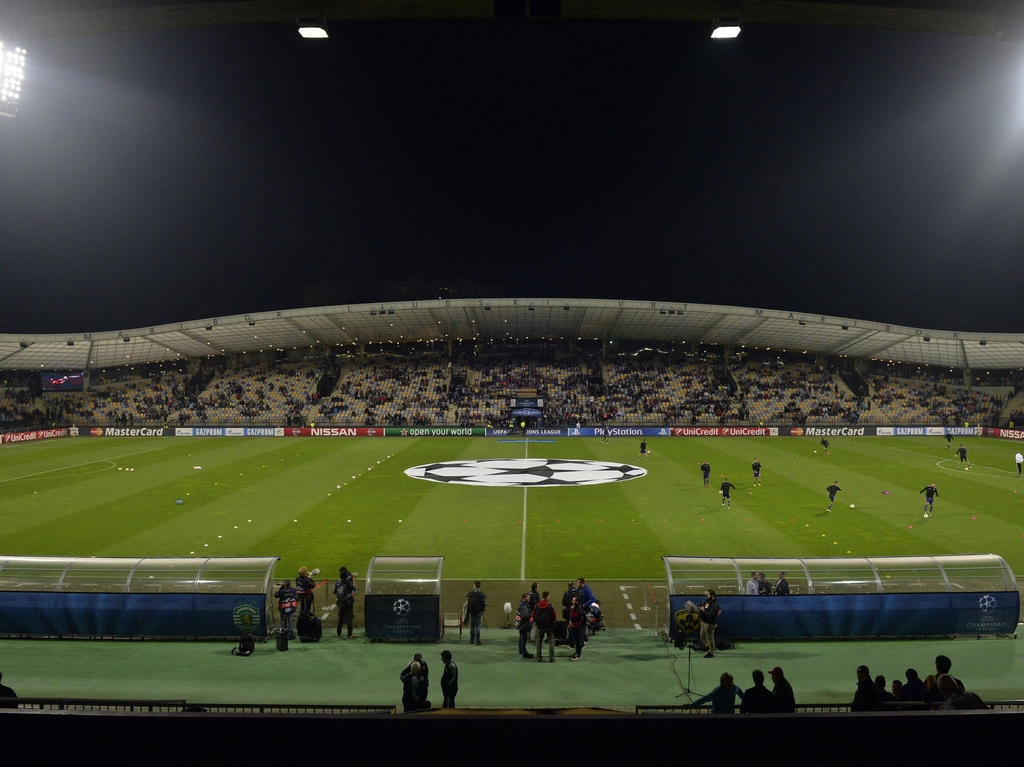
{"x": 312, "y": 26}
{"x": 12, "y": 75}
{"x": 725, "y": 27}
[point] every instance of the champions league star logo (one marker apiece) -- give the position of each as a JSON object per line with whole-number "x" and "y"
{"x": 526, "y": 472}
{"x": 987, "y": 602}
{"x": 401, "y": 607}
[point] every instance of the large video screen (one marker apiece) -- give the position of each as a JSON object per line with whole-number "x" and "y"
{"x": 63, "y": 381}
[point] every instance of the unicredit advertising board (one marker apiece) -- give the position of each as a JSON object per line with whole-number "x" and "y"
{"x": 31, "y": 436}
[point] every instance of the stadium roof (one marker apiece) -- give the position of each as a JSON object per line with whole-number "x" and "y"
{"x": 513, "y": 318}
{"x": 33, "y": 19}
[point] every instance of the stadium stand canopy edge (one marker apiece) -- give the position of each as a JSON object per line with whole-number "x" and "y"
{"x": 34, "y": 19}
{"x": 513, "y": 319}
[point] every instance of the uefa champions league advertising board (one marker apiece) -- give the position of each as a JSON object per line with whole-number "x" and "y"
{"x": 402, "y": 616}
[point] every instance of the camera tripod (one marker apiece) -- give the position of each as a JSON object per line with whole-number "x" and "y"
{"x": 689, "y": 640}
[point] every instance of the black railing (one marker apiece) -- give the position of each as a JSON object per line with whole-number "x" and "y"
{"x": 188, "y": 707}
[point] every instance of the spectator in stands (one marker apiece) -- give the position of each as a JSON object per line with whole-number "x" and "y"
{"x": 758, "y": 699}
{"x": 884, "y": 696}
{"x": 785, "y": 701}
{"x": 942, "y": 666}
{"x": 955, "y": 697}
{"x": 866, "y": 696}
{"x": 723, "y": 697}
{"x": 7, "y": 695}
{"x": 914, "y": 689}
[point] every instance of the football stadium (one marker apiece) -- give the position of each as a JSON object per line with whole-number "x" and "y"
{"x": 756, "y": 502}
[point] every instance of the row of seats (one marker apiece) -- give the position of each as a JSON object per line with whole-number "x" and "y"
{"x": 475, "y": 392}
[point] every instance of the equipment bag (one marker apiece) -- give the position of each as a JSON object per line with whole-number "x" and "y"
{"x": 246, "y": 646}
{"x": 310, "y": 628}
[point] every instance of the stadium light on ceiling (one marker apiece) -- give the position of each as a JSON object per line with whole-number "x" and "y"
{"x": 12, "y": 75}
{"x": 725, "y": 26}
{"x": 312, "y": 25}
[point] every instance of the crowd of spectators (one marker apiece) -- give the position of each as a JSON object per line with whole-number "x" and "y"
{"x": 575, "y": 389}
{"x": 657, "y": 390}
{"x": 940, "y": 691}
{"x": 902, "y": 401}
{"x": 778, "y": 392}
{"x": 388, "y": 391}
{"x": 262, "y": 393}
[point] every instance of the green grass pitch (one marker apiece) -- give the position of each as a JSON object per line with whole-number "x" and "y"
{"x": 327, "y": 502}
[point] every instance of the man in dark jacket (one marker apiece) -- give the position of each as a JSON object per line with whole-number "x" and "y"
{"x": 476, "y": 603}
{"x": 758, "y": 699}
{"x": 785, "y": 701}
{"x": 709, "y": 621}
{"x": 345, "y": 596}
{"x": 570, "y": 592}
{"x": 866, "y": 697}
{"x": 544, "y": 621}
{"x": 449, "y": 680}
{"x": 423, "y": 682}
{"x": 781, "y": 586}
{"x": 414, "y": 696}
{"x": 525, "y": 624}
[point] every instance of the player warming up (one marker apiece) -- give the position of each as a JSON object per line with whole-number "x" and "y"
{"x": 824, "y": 444}
{"x": 726, "y": 487}
{"x": 962, "y": 452}
{"x": 705, "y": 470}
{"x": 832, "y": 490}
{"x": 756, "y": 466}
{"x": 643, "y": 449}
{"x": 929, "y": 498}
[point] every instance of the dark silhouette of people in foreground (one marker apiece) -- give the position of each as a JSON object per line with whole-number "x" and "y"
{"x": 7, "y": 696}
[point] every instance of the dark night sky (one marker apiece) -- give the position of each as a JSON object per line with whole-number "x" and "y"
{"x": 157, "y": 177}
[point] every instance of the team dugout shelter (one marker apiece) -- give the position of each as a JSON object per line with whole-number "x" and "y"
{"x": 846, "y": 597}
{"x": 403, "y": 598}
{"x": 125, "y": 597}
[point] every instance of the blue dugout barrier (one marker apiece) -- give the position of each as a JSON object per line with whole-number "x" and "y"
{"x": 131, "y": 615}
{"x": 841, "y": 616}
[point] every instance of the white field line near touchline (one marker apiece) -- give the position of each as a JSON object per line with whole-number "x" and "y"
{"x": 79, "y": 465}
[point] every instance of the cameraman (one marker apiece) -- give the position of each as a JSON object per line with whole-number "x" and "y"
{"x": 345, "y": 596}
{"x": 287, "y": 601}
{"x": 304, "y": 586}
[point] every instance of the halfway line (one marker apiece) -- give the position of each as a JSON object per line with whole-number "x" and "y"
{"x": 522, "y": 557}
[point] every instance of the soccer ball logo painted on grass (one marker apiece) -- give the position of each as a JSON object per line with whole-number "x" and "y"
{"x": 526, "y": 472}
{"x": 987, "y": 602}
{"x": 401, "y": 607}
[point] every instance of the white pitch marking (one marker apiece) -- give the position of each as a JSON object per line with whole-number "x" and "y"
{"x": 522, "y": 556}
{"x": 79, "y": 465}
